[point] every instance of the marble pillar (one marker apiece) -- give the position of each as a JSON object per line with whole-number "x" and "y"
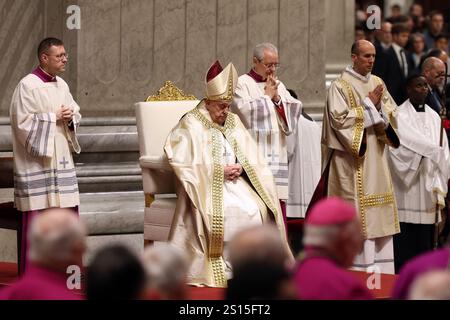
{"x": 23, "y": 24}
{"x": 340, "y": 34}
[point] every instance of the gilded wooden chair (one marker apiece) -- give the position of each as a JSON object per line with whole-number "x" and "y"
{"x": 154, "y": 119}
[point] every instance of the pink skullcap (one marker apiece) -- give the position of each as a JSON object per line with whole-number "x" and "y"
{"x": 330, "y": 211}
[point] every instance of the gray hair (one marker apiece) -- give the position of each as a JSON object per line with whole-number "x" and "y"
{"x": 432, "y": 285}
{"x": 166, "y": 267}
{"x": 430, "y": 63}
{"x": 257, "y": 243}
{"x": 53, "y": 235}
{"x": 417, "y": 35}
{"x": 258, "y": 51}
{"x": 320, "y": 236}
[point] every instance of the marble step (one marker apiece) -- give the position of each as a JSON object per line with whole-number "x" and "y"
{"x": 105, "y": 134}
{"x": 108, "y": 169}
{"x": 106, "y": 157}
{"x": 108, "y": 213}
{"x": 109, "y": 177}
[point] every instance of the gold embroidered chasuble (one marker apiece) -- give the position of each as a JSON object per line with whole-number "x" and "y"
{"x": 195, "y": 152}
{"x": 356, "y": 156}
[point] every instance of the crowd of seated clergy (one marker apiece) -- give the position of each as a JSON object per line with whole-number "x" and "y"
{"x": 261, "y": 268}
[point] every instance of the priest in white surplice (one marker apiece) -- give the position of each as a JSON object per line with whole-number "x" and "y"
{"x": 44, "y": 119}
{"x": 420, "y": 171}
{"x": 269, "y": 112}
{"x": 358, "y": 124}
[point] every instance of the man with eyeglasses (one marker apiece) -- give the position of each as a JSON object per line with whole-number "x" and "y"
{"x": 269, "y": 112}
{"x": 44, "y": 120}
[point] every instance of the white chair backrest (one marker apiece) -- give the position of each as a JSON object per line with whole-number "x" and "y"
{"x": 154, "y": 120}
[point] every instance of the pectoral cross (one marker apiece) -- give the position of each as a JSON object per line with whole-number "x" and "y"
{"x": 226, "y": 153}
{"x": 64, "y": 162}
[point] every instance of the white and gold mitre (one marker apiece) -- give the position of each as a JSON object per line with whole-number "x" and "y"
{"x": 220, "y": 83}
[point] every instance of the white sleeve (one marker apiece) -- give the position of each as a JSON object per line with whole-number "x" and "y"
{"x": 35, "y": 131}
{"x": 372, "y": 116}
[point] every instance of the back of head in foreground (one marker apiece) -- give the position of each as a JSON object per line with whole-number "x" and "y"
{"x": 57, "y": 239}
{"x": 261, "y": 266}
{"x": 433, "y": 285}
{"x": 115, "y": 273}
{"x": 167, "y": 269}
{"x": 333, "y": 230}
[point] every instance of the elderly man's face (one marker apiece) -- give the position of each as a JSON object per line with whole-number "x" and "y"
{"x": 268, "y": 65}
{"x": 436, "y": 74}
{"x": 218, "y": 110}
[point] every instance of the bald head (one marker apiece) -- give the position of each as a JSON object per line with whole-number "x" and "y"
{"x": 259, "y": 243}
{"x": 361, "y": 45}
{"x": 57, "y": 237}
{"x": 433, "y": 70}
{"x": 363, "y": 56}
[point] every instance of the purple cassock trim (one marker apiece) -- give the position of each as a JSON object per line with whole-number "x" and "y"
{"x": 41, "y": 74}
{"x": 255, "y": 76}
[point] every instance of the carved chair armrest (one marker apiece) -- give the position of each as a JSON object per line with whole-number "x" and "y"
{"x": 154, "y": 162}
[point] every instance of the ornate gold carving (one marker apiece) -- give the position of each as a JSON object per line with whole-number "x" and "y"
{"x": 170, "y": 92}
{"x": 149, "y": 198}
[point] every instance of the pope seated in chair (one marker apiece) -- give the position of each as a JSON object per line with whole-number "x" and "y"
{"x": 224, "y": 184}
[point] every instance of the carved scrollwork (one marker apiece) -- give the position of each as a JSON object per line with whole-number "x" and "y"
{"x": 170, "y": 92}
